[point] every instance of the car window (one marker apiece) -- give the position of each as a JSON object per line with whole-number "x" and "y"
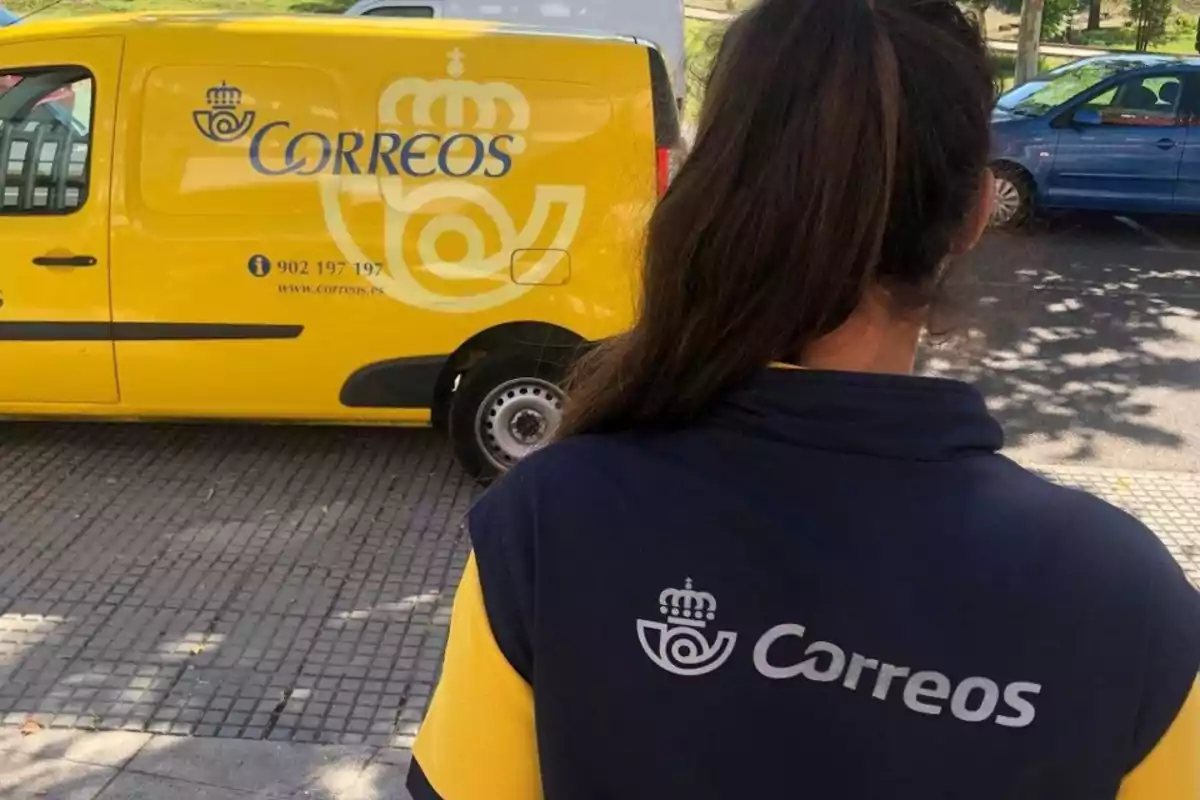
{"x": 418, "y": 12}
{"x": 1140, "y": 102}
{"x": 45, "y": 138}
{"x": 1059, "y": 86}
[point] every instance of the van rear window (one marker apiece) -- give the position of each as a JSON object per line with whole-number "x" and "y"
{"x": 666, "y": 113}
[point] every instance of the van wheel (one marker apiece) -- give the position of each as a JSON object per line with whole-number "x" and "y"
{"x": 504, "y": 409}
{"x": 1012, "y": 204}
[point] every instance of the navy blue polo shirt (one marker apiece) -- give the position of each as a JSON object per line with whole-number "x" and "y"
{"x": 833, "y": 587}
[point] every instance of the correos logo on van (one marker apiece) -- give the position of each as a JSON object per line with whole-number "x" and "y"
{"x": 417, "y": 165}
{"x": 421, "y": 155}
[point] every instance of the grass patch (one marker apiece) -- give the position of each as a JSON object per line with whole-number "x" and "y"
{"x": 1182, "y": 41}
{"x": 79, "y": 7}
{"x": 722, "y": 5}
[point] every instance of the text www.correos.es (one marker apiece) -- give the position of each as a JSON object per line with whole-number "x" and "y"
{"x": 305, "y": 288}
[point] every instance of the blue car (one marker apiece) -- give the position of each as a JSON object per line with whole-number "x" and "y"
{"x": 1111, "y": 133}
{"x": 6, "y": 17}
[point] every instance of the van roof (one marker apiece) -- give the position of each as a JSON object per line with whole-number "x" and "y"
{"x": 117, "y": 24}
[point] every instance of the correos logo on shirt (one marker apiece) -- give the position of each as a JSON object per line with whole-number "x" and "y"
{"x": 682, "y": 646}
{"x": 683, "y": 649}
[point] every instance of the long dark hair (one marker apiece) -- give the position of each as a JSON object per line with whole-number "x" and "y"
{"x": 841, "y": 146}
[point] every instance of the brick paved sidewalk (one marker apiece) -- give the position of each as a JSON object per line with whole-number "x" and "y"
{"x": 1167, "y": 502}
{"x": 81, "y": 765}
{"x": 290, "y": 584}
{"x": 283, "y": 584}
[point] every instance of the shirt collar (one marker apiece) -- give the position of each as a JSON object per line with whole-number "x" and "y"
{"x": 891, "y": 416}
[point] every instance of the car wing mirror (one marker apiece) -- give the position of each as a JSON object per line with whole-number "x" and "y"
{"x": 1087, "y": 117}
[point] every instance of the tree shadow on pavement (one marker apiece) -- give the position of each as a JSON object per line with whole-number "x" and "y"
{"x": 80, "y": 765}
{"x": 1077, "y": 337}
{"x": 289, "y": 585}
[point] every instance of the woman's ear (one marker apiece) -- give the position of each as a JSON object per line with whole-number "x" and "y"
{"x": 979, "y": 216}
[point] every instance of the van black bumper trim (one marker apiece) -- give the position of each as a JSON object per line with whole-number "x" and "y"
{"x": 141, "y": 331}
{"x": 398, "y": 383}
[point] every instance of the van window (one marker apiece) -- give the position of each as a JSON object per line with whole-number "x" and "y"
{"x": 45, "y": 137}
{"x": 414, "y": 12}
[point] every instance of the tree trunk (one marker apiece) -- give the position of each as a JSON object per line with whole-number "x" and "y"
{"x": 1094, "y": 15}
{"x": 1028, "y": 40}
{"x": 981, "y": 19}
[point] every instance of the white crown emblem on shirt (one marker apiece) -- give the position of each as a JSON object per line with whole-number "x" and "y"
{"x": 687, "y": 606}
{"x": 681, "y": 647}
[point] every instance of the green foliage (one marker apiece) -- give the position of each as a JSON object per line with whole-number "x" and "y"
{"x": 322, "y": 6}
{"x": 1005, "y": 65}
{"x": 703, "y": 39}
{"x": 1150, "y": 18}
{"x": 1055, "y": 13}
{"x": 1180, "y": 36}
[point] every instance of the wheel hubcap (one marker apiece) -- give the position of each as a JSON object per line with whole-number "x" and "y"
{"x": 517, "y": 418}
{"x": 1007, "y": 201}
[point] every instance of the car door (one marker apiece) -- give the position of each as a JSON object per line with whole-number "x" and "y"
{"x": 1187, "y": 190}
{"x": 1120, "y": 150}
{"x": 57, "y": 103}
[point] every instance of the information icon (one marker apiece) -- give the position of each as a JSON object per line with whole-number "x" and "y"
{"x": 259, "y": 266}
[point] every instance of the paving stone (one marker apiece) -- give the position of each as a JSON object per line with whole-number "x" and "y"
{"x": 26, "y": 777}
{"x": 150, "y": 788}
{"x": 209, "y": 580}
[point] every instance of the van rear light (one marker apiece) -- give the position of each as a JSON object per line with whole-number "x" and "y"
{"x": 663, "y": 169}
{"x": 666, "y": 121}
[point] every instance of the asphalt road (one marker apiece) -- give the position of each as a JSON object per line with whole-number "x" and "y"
{"x": 1084, "y": 333}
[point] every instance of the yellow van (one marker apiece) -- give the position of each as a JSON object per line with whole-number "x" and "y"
{"x": 319, "y": 219}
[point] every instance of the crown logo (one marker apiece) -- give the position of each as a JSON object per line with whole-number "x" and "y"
{"x": 221, "y": 121}
{"x": 224, "y": 97}
{"x": 687, "y": 606}
{"x": 455, "y": 67}
{"x": 445, "y": 101}
{"x": 680, "y": 645}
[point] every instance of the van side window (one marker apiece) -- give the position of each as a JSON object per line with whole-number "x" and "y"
{"x": 415, "y": 12}
{"x": 45, "y": 139}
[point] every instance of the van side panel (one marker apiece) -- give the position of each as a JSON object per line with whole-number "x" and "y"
{"x": 384, "y": 197}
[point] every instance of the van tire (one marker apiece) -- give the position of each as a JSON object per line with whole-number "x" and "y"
{"x": 1013, "y": 204}
{"x": 504, "y": 408}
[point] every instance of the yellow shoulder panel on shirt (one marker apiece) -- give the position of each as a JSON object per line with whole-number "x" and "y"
{"x": 478, "y": 741}
{"x": 1172, "y": 770}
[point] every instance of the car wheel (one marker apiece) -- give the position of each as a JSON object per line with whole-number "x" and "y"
{"x": 504, "y": 409}
{"x": 1012, "y": 201}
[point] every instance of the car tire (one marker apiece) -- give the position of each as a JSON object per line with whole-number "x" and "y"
{"x": 503, "y": 409}
{"x": 1012, "y": 205}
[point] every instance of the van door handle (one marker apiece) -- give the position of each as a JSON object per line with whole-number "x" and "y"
{"x": 65, "y": 261}
{"x": 1165, "y": 144}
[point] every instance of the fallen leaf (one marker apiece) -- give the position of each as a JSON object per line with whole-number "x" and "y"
{"x": 30, "y": 727}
